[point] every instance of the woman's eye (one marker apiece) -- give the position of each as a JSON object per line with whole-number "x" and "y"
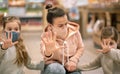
{"x": 61, "y": 26}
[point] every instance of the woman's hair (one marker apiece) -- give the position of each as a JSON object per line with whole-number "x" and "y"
{"x": 54, "y": 13}
{"x": 110, "y": 32}
{"x": 22, "y": 55}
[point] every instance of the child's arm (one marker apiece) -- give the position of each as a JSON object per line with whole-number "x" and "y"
{"x": 114, "y": 54}
{"x": 92, "y": 65}
{"x": 5, "y": 44}
{"x": 2, "y": 51}
{"x": 35, "y": 66}
{"x": 80, "y": 49}
{"x": 110, "y": 51}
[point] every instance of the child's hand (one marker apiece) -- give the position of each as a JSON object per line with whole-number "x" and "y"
{"x": 106, "y": 46}
{"x": 71, "y": 66}
{"x": 1, "y": 39}
{"x": 49, "y": 39}
{"x": 7, "y": 42}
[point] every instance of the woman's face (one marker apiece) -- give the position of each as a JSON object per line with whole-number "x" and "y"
{"x": 60, "y": 26}
{"x": 12, "y": 26}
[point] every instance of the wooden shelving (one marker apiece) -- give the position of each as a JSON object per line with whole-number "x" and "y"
{"x": 112, "y": 16}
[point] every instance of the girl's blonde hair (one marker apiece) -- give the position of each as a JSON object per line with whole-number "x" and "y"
{"x": 22, "y": 55}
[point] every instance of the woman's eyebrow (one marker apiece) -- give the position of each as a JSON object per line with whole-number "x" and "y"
{"x": 66, "y": 22}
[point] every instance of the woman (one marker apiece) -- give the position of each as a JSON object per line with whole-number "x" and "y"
{"x": 61, "y": 43}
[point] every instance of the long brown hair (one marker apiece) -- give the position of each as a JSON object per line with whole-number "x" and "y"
{"x": 21, "y": 53}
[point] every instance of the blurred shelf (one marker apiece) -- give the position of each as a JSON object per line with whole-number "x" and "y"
{"x": 31, "y": 28}
{"x": 113, "y": 12}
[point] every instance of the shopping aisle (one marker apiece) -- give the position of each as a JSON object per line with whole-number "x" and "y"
{"x": 32, "y": 41}
{"x": 89, "y": 55}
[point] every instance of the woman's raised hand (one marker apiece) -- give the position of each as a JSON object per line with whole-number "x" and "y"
{"x": 49, "y": 39}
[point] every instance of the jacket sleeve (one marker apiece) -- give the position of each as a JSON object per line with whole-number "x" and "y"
{"x": 90, "y": 66}
{"x": 80, "y": 49}
{"x": 114, "y": 54}
{"x": 34, "y": 65}
{"x": 2, "y": 52}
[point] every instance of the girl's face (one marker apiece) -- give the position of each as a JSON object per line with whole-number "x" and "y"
{"x": 12, "y": 26}
{"x": 12, "y": 30}
{"x": 60, "y": 26}
{"x": 112, "y": 43}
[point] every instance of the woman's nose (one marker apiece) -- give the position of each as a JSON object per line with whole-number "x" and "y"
{"x": 64, "y": 26}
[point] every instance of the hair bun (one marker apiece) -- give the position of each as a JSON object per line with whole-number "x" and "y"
{"x": 48, "y": 6}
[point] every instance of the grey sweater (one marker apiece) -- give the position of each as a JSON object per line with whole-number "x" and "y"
{"x": 114, "y": 54}
{"x": 109, "y": 62}
{"x": 8, "y": 66}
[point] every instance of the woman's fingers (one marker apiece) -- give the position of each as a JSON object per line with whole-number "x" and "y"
{"x": 47, "y": 37}
{"x": 54, "y": 36}
{"x": 43, "y": 39}
{"x": 50, "y": 35}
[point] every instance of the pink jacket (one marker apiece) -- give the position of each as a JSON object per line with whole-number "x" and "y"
{"x": 73, "y": 46}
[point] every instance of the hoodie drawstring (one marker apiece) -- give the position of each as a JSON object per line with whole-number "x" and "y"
{"x": 64, "y": 49}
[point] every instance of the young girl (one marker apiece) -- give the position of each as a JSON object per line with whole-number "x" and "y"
{"x": 61, "y": 43}
{"x": 13, "y": 54}
{"x": 109, "y": 60}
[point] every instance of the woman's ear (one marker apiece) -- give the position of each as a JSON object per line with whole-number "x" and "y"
{"x": 48, "y": 28}
{"x": 51, "y": 27}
